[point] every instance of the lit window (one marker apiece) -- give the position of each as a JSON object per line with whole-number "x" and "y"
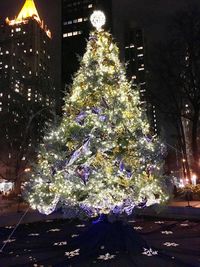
{"x": 18, "y": 29}
{"x": 140, "y": 55}
{"x": 7, "y": 52}
{"x": 6, "y": 66}
{"x": 16, "y": 90}
{"x": 31, "y": 49}
{"x": 131, "y": 46}
{"x": 0, "y": 108}
{"x": 29, "y": 94}
{"x": 9, "y": 96}
{"x": 30, "y": 72}
{"x": 24, "y": 51}
{"x": 29, "y": 89}
{"x": 90, "y": 6}
{"x": 1, "y": 94}
{"x": 140, "y": 48}
{"x": 80, "y": 19}
{"x": 141, "y": 69}
{"x": 0, "y": 103}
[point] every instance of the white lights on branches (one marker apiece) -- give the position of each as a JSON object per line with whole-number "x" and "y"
{"x": 98, "y": 19}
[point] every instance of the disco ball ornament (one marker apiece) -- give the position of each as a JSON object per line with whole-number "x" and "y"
{"x": 98, "y": 19}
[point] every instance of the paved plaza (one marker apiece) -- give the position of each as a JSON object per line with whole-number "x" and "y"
{"x": 173, "y": 236}
{"x": 41, "y": 244}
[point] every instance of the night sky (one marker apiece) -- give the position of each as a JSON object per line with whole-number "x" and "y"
{"x": 152, "y": 15}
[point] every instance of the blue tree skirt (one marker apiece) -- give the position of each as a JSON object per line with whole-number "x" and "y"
{"x": 114, "y": 245}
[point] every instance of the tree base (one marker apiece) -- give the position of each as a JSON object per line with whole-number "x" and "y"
{"x": 103, "y": 242}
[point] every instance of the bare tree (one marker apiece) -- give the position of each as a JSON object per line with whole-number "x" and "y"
{"x": 176, "y": 72}
{"x": 19, "y": 142}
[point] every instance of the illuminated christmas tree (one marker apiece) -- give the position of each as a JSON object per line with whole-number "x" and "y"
{"x": 102, "y": 158}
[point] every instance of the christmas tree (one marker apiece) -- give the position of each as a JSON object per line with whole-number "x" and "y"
{"x": 102, "y": 158}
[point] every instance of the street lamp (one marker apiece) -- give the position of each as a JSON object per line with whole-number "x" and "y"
{"x": 194, "y": 179}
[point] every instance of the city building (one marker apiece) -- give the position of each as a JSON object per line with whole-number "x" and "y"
{"x": 135, "y": 58}
{"x": 75, "y": 31}
{"x": 26, "y": 87}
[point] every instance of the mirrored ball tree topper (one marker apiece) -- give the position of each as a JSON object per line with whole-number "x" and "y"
{"x": 98, "y": 19}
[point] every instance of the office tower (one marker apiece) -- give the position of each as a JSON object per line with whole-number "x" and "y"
{"x": 75, "y": 28}
{"x": 135, "y": 57}
{"x": 26, "y": 89}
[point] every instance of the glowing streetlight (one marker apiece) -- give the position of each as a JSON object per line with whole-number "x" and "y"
{"x": 194, "y": 179}
{"x": 98, "y": 19}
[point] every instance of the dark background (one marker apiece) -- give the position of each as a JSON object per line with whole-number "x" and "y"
{"x": 152, "y": 15}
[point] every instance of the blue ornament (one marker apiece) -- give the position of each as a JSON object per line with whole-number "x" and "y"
{"x": 103, "y": 118}
{"x": 80, "y": 118}
{"x": 84, "y": 173}
{"x": 121, "y": 166}
{"x": 96, "y": 110}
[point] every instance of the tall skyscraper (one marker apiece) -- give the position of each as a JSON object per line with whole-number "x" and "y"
{"x": 75, "y": 28}
{"x": 26, "y": 89}
{"x": 135, "y": 57}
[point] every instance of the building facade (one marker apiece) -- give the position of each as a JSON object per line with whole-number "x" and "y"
{"x": 26, "y": 86}
{"x": 75, "y": 32}
{"x": 135, "y": 58}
